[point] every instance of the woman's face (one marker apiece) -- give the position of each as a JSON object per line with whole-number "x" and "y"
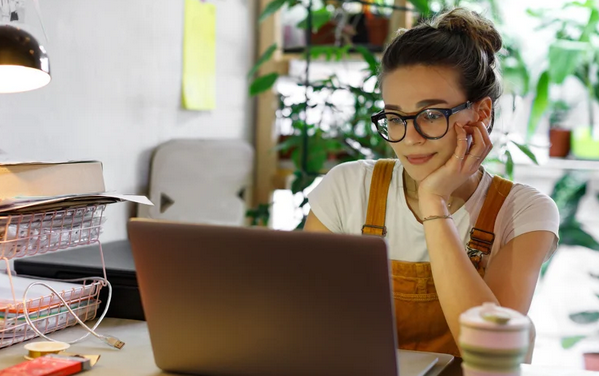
{"x": 407, "y": 91}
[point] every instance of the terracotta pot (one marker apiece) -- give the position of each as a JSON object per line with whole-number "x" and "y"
{"x": 560, "y": 142}
{"x": 378, "y": 30}
{"x": 591, "y": 361}
{"x": 325, "y": 35}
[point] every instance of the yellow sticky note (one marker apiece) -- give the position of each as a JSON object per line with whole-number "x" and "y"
{"x": 199, "y": 56}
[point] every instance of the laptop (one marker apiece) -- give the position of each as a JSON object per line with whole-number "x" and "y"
{"x": 240, "y": 301}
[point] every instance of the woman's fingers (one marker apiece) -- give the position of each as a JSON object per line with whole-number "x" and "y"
{"x": 462, "y": 145}
{"x": 479, "y": 149}
{"x": 485, "y": 133}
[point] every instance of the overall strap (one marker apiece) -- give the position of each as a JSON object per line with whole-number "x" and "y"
{"x": 377, "y": 200}
{"x": 482, "y": 235}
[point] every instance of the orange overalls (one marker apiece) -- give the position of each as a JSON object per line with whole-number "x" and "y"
{"x": 421, "y": 324}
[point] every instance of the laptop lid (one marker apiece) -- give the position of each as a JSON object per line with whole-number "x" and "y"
{"x": 248, "y": 301}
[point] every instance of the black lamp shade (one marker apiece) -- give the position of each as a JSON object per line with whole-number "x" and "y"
{"x": 24, "y": 64}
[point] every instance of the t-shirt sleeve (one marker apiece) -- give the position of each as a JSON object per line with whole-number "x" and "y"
{"x": 328, "y": 200}
{"x": 529, "y": 210}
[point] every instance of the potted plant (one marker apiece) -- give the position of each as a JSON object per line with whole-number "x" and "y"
{"x": 377, "y": 21}
{"x": 559, "y": 131}
{"x": 573, "y": 53}
{"x": 349, "y": 23}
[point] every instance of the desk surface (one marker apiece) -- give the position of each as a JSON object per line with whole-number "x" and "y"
{"x": 135, "y": 359}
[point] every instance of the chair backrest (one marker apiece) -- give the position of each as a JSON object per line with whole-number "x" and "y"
{"x": 200, "y": 181}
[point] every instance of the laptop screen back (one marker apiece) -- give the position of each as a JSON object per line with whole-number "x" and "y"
{"x": 243, "y": 301}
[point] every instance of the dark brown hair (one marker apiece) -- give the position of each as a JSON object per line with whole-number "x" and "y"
{"x": 459, "y": 39}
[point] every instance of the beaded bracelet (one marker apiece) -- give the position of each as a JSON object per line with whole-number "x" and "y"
{"x": 432, "y": 217}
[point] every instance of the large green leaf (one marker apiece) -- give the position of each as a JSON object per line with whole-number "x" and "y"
{"x": 569, "y": 342}
{"x": 567, "y": 193}
{"x": 591, "y": 26}
{"x": 263, "y": 83}
{"x": 319, "y": 18}
{"x": 526, "y": 151}
{"x": 291, "y": 142}
{"x": 371, "y": 60}
{"x": 573, "y": 234}
{"x": 422, "y": 6}
{"x": 263, "y": 59}
{"x": 509, "y": 165}
{"x": 564, "y": 58}
{"x": 586, "y": 317}
{"x": 301, "y": 181}
{"x": 578, "y": 4}
{"x": 540, "y": 104}
{"x": 515, "y": 74}
{"x": 271, "y": 8}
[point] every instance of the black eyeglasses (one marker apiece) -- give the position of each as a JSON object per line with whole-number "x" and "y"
{"x": 430, "y": 123}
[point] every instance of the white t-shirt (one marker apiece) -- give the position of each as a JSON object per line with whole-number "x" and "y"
{"x": 340, "y": 202}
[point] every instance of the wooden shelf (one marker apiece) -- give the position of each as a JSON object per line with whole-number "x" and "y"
{"x": 572, "y": 164}
{"x": 352, "y": 56}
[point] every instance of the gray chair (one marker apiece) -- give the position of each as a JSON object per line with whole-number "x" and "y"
{"x": 200, "y": 181}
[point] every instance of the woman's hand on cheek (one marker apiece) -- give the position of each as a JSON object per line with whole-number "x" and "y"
{"x": 442, "y": 182}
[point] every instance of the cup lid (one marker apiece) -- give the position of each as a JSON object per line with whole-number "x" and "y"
{"x": 493, "y": 317}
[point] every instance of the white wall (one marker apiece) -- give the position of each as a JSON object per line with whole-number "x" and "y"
{"x": 115, "y": 90}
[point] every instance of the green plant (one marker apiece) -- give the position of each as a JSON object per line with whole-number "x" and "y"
{"x": 260, "y": 215}
{"x": 501, "y": 160}
{"x": 320, "y": 128}
{"x": 572, "y": 53}
{"x": 567, "y": 194}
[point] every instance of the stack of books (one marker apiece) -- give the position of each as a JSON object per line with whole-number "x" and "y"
{"x": 34, "y": 187}
{"x": 46, "y": 206}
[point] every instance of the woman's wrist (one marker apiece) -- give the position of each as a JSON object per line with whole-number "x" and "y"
{"x": 432, "y": 205}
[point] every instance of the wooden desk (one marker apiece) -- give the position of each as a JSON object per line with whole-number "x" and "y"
{"x": 135, "y": 359}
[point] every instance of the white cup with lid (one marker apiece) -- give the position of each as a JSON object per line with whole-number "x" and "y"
{"x": 493, "y": 340}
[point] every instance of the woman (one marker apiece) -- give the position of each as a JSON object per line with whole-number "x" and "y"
{"x": 439, "y": 85}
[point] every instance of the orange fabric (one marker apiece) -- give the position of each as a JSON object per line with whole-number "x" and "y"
{"x": 481, "y": 235}
{"x": 377, "y": 208}
{"x": 419, "y": 317}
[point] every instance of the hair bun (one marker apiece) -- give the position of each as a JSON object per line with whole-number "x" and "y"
{"x": 473, "y": 25}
